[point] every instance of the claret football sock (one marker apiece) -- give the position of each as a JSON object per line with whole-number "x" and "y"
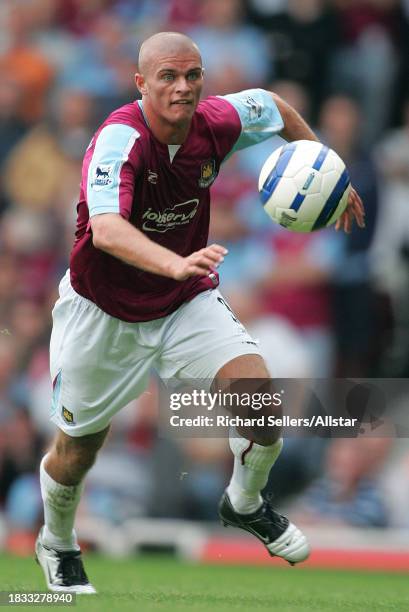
{"x": 252, "y": 465}
{"x": 60, "y": 505}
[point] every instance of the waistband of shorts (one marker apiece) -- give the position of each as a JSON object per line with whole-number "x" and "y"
{"x": 66, "y": 289}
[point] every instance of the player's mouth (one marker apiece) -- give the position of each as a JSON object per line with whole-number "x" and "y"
{"x": 182, "y": 102}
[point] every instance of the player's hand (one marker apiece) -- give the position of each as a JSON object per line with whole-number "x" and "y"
{"x": 199, "y": 263}
{"x": 354, "y": 211}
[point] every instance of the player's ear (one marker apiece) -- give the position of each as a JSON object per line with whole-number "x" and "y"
{"x": 140, "y": 83}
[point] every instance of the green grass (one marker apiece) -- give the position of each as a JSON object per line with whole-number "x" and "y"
{"x": 165, "y": 585}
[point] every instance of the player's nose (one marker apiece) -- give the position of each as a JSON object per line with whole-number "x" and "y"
{"x": 182, "y": 84}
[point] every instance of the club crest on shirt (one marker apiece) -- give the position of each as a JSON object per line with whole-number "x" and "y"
{"x": 102, "y": 176}
{"x": 207, "y": 173}
{"x": 67, "y": 416}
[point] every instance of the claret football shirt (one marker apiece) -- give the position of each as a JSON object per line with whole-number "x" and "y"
{"x": 163, "y": 190}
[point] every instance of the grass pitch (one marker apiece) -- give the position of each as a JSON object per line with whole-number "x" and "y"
{"x": 163, "y": 584}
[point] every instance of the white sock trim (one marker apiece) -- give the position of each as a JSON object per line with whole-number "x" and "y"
{"x": 252, "y": 454}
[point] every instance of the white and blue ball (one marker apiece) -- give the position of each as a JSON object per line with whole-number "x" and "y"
{"x": 304, "y": 186}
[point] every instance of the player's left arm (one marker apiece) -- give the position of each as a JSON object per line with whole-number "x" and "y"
{"x": 295, "y": 128}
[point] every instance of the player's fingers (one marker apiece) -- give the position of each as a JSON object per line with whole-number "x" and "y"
{"x": 216, "y": 258}
{"x": 204, "y": 260}
{"x": 356, "y": 206}
{"x": 355, "y": 195}
{"x": 348, "y": 222}
{"x": 359, "y": 204}
{"x": 218, "y": 248}
{"x": 343, "y": 222}
{"x": 355, "y": 213}
{"x": 193, "y": 270}
{"x": 357, "y": 200}
{"x": 198, "y": 270}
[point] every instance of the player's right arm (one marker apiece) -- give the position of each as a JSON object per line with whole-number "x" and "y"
{"x": 115, "y": 235}
{"x": 113, "y": 166}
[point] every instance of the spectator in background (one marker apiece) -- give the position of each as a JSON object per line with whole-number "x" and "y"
{"x": 24, "y": 64}
{"x": 78, "y": 17}
{"x": 30, "y": 238}
{"x": 235, "y": 54}
{"x": 20, "y": 445}
{"x": 24, "y": 445}
{"x": 365, "y": 65}
{"x": 298, "y": 288}
{"x": 395, "y": 477}
{"x": 12, "y": 126}
{"x": 184, "y": 15}
{"x": 390, "y": 253}
{"x": 8, "y": 369}
{"x": 9, "y": 285}
{"x": 42, "y": 171}
{"x": 349, "y": 491}
{"x": 401, "y": 90}
{"x": 29, "y": 323}
{"x": 303, "y": 39}
{"x": 353, "y": 299}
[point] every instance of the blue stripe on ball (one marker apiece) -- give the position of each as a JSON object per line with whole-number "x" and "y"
{"x": 333, "y": 201}
{"x": 299, "y": 198}
{"x": 277, "y": 172}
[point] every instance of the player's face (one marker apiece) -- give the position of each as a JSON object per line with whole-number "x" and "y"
{"x": 173, "y": 87}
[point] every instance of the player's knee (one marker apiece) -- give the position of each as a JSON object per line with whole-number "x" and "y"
{"x": 76, "y": 454}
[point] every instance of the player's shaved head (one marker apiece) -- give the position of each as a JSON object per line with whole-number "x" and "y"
{"x": 165, "y": 44}
{"x": 170, "y": 79}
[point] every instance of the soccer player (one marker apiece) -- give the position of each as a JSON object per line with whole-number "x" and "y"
{"x": 142, "y": 292}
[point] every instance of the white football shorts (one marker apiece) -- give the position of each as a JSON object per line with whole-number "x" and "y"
{"x": 99, "y": 363}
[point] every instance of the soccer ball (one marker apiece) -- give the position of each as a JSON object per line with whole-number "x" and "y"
{"x": 304, "y": 186}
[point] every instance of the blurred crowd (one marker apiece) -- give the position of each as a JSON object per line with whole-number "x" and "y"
{"x": 321, "y": 305}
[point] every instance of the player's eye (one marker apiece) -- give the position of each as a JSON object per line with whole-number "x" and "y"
{"x": 168, "y": 76}
{"x": 193, "y": 76}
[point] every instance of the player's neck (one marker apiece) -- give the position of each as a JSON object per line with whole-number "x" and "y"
{"x": 170, "y": 134}
{"x": 165, "y": 132}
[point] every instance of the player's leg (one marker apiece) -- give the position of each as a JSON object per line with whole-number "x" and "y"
{"x": 62, "y": 472}
{"x": 255, "y": 451}
{"x": 205, "y": 341}
{"x": 97, "y": 367}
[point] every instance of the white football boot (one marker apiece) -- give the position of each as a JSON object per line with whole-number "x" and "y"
{"x": 280, "y": 537}
{"x": 63, "y": 570}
